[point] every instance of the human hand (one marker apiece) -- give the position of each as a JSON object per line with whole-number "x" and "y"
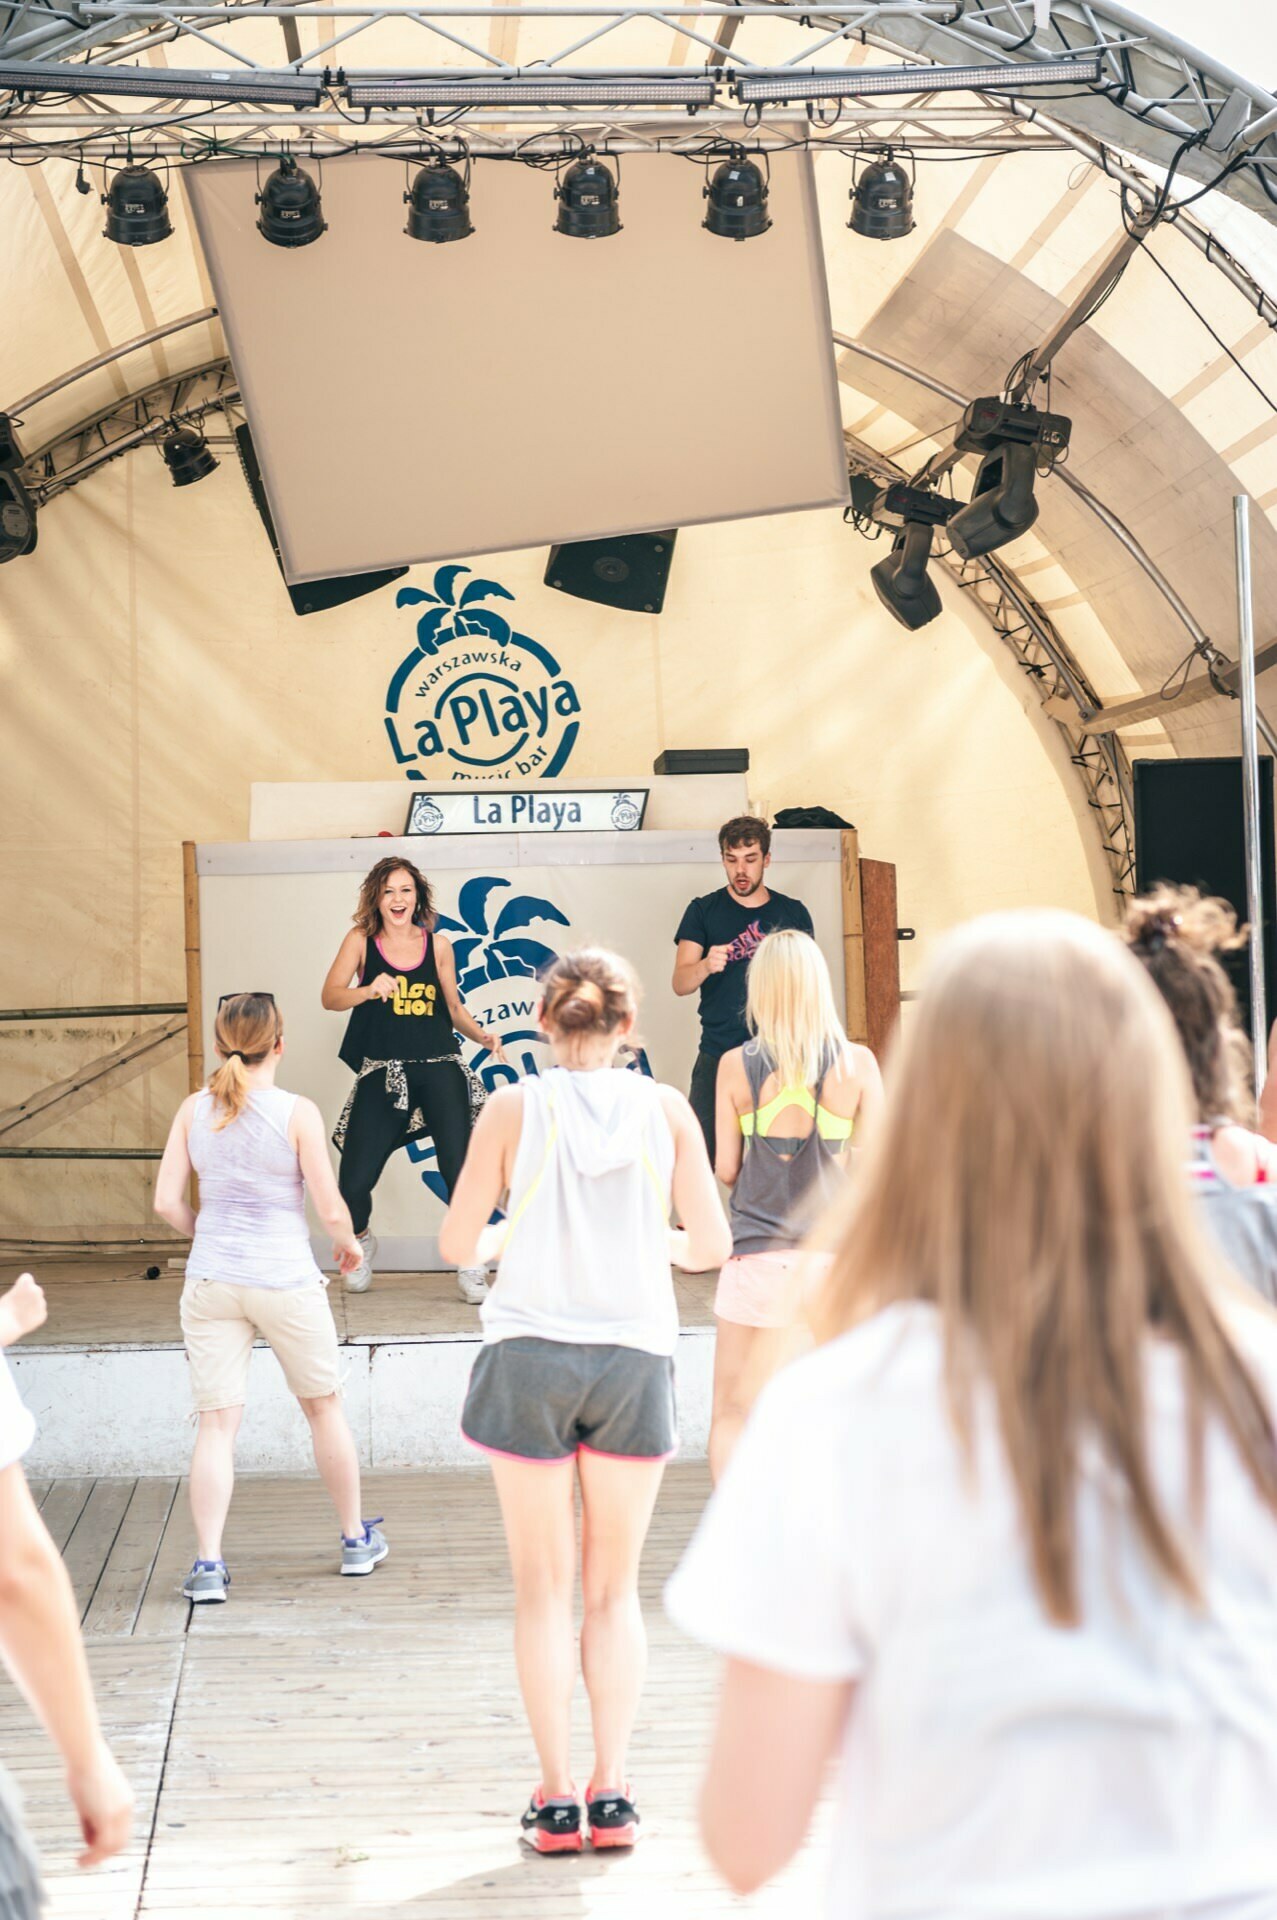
{"x": 491, "y": 1242}
{"x": 22, "y": 1309}
{"x": 347, "y": 1252}
{"x": 678, "y": 1249}
{"x": 497, "y": 1052}
{"x": 716, "y": 958}
{"x": 103, "y": 1799}
{"x": 384, "y": 987}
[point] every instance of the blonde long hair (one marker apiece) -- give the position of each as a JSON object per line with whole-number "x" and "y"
{"x": 1027, "y": 1179}
{"x": 789, "y": 1005}
{"x": 247, "y": 1030}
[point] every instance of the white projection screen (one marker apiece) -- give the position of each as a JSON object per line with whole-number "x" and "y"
{"x": 412, "y": 402}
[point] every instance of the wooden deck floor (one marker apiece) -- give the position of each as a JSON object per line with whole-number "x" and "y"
{"x": 321, "y": 1747}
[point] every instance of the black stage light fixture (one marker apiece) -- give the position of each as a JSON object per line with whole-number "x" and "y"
{"x": 17, "y": 518}
{"x": 187, "y": 456}
{"x": 990, "y": 420}
{"x": 589, "y": 207}
{"x": 1003, "y": 504}
{"x": 548, "y": 90}
{"x": 737, "y": 197}
{"x": 900, "y": 505}
{"x": 30, "y": 78}
{"x": 439, "y": 204}
{"x": 902, "y": 582}
{"x": 291, "y": 214}
{"x": 882, "y": 200}
{"x": 798, "y": 84}
{"x": 136, "y": 205}
{"x": 10, "y": 451}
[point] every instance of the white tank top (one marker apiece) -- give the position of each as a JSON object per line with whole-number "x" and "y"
{"x": 586, "y": 1256}
{"x": 251, "y": 1226}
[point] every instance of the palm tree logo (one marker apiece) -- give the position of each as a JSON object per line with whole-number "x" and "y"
{"x": 498, "y": 952}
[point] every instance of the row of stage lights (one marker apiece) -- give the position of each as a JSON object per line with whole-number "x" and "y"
{"x": 290, "y": 207}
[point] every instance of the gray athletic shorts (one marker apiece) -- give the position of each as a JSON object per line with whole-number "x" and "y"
{"x": 543, "y": 1399}
{"x": 21, "y": 1894}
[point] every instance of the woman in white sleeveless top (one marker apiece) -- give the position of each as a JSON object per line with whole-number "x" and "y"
{"x": 576, "y": 1374}
{"x": 256, "y": 1150}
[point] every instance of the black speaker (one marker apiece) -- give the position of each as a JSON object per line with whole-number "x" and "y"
{"x": 702, "y": 760}
{"x": 313, "y": 596}
{"x": 632, "y": 572}
{"x": 1190, "y": 830}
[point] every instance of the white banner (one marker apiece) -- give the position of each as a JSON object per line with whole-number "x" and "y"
{"x": 528, "y": 810}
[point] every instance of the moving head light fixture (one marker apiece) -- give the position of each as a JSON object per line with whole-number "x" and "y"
{"x": 1015, "y": 442}
{"x": 17, "y": 518}
{"x": 901, "y": 581}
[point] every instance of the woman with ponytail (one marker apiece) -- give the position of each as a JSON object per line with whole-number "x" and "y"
{"x": 575, "y": 1378}
{"x": 257, "y": 1151}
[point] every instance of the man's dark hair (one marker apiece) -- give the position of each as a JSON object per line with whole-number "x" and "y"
{"x": 746, "y": 830}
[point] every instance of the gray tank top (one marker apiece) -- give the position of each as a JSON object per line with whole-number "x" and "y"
{"x": 784, "y": 1182}
{"x": 1242, "y": 1221}
{"x": 251, "y": 1226}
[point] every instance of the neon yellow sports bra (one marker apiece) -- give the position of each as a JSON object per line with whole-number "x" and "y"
{"x": 830, "y": 1126}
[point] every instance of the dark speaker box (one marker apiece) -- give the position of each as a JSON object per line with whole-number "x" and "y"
{"x": 1190, "y": 830}
{"x": 702, "y": 760}
{"x": 313, "y": 596}
{"x": 631, "y": 573}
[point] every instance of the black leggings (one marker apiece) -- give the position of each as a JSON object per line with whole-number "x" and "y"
{"x": 377, "y": 1128}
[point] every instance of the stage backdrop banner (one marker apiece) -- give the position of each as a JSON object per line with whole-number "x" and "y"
{"x": 272, "y": 916}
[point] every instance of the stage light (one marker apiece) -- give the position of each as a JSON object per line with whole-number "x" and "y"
{"x": 588, "y": 204}
{"x": 902, "y": 582}
{"x": 29, "y": 78}
{"x": 882, "y": 201}
{"x": 797, "y": 84}
{"x": 990, "y": 420}
{"x": 1003, "y": 504}
{"x": 17, "y": 518}
{"x": 291, "y": 212}
{"x": 136, "y": 205}
{"x": 439, "y": 204}
{"x": 187, "y": 456}
{"x": 737, "y": 197}
{"x": 10, "y": 451}
{"x": 588, "y": 90}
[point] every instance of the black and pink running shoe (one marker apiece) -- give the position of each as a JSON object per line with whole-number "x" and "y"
{"x": 552, "y": 1826}
{"x": 613, "y": 1818}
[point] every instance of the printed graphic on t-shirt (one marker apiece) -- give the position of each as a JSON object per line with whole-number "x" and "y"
{"x": 417, "y": 997}
{"x": 747, "y": 943}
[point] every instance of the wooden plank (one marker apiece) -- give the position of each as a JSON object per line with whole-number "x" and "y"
{"x": 63, "y": 1505}
{"x": 94, "y": 1535}
{"x": 853, "y": 940}
{"x": 52, "y": 1104}
{"x": 882, "y": 951}
{"x": 165, "y": 1611}
{"x": 122, "y": 1588}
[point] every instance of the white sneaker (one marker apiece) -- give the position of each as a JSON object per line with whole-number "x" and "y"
{"x": 361, "y": 1279}
{"x": 472, "y": 1284}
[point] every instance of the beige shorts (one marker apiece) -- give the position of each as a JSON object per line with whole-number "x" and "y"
{"x": 771, "y": 1289}
{"x": 220, "y": 1323}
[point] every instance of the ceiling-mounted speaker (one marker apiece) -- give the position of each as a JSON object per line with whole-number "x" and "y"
{"x": 312, "y": 596}
{"x": 631, "y": 573}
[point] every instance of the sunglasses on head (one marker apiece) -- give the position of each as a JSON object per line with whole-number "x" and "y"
{"x": 251, "y": 994}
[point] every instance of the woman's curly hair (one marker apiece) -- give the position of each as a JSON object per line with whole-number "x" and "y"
{"x": 367, "y": 915}
{"x": 1177, "y": 932}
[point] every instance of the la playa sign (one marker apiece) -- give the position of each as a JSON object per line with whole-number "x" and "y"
{"x": 511, "y": 810}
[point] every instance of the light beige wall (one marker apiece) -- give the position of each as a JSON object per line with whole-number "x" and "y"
{"x": 152, "y": 669}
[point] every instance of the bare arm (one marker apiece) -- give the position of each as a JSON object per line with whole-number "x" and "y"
{"x": 173, "y": 1178}
{"x": 869, "y": 1106}
{"x": 42, "y": 1649}
{"x": 484, "y": 1177}
{"x": 446, "y": 966}
{"x": 1268, "y": 1098}
{"x": 708, "y": 1238}
{"x": 307, "y": 1134}
{"x": 728, "y": 1142}
{"x": 693, "y": 964}
{"x": 22, "y": 1309}
{"x": 772, "y": 1745}
{"x": 339, "y": 993}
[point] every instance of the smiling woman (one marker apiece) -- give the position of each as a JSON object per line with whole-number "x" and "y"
{"x": 397, "y": 976}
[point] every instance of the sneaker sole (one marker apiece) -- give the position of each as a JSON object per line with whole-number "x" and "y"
{"x": 204, "y": 1599}
{"x": 362, "y": 1286}
{"x": 357, "y": 1573}
{"x": 553, "y": 1842}
{"x": 601, "y": 1837}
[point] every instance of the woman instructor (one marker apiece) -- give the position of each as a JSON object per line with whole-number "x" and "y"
{"x": 396, "y": 977}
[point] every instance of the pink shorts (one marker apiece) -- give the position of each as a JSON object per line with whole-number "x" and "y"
{"x": 768, "y": 1289}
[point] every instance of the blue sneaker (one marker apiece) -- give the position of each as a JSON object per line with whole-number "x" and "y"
{"x": 207, "y": 1581}
{"x": 361, "y": 1555}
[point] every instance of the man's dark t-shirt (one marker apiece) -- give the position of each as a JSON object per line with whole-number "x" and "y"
{"x": 716, "y": 920}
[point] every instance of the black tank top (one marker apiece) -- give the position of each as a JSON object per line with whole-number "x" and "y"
{"x": 414, "y": 1025}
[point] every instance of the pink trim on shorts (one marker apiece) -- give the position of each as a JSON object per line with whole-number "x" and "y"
{"x": 638, "y": 1459}
{"x": 524, "y": 1459}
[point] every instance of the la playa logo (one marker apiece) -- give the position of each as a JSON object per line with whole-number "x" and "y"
{"x": 474, "y": 699}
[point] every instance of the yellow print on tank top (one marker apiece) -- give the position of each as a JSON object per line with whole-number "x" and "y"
{"x": 419, "y": 997}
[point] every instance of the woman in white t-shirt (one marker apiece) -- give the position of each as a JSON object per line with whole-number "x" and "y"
{"x": 962, "y": 1543}
{"x": 42, "y": 1649}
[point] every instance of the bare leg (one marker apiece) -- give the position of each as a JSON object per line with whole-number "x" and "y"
{"x": 213, "y": 1478}
{"x": 336, "y": 1459}
{"x": 744, "y": 1360}
{"x": 618, "y": 1498}
{"x": 540, "y": 1531}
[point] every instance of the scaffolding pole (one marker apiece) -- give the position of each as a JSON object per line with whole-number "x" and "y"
{"x": 1250, "y": 789}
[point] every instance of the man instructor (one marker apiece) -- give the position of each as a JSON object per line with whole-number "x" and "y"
{"x": 716, "y": 937}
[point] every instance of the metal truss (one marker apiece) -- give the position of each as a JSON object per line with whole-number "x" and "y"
{"x": 1157, "y": 97}
{"x": 135, "y": 421}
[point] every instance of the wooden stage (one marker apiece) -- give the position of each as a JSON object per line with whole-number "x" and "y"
{"x": 321, "y": 1747}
